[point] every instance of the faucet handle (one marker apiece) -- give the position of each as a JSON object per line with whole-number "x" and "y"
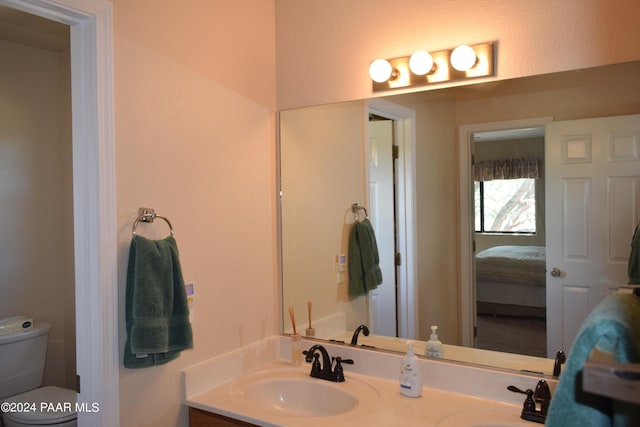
{"x": 338, "y": 371}
{"x": 542, "y": 395}
{"x": 339, "y": 361}
{"x": 315, "y": 366}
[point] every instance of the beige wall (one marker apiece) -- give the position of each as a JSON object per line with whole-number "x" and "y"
{"x": 194, "y": 113}
{"x": 325, "y": 46}
{"x": 195, "y": 140}
{"x": 36, "y": 224}
{"x": 322, "y": 154}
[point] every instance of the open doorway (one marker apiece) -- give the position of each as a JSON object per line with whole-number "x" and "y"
{"x": 37, "y": 267}
{"x": 95, "y": 248}
{"x": 509, "y": 239}
{"x": 466, "y": 146}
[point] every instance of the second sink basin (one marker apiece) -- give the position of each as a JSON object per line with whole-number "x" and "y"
{"x": 292, "y": 392}
{"x": 483, "y": 418}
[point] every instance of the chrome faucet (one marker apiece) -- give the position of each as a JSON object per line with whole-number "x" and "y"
{"x": 326, "y": 370}
{"x": 361, "y": 328}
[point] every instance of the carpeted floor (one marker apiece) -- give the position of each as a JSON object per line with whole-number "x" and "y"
{"x": 520, "y": 335}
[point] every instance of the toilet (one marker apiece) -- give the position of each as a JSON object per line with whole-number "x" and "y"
{"x": 22, "y": 359}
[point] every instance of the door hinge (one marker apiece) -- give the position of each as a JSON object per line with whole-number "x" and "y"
{"x": 475, "y": 332}
{"x": 473, "y": 245}
{"x": 398, "y": 258}
{"x": 77, "y": 383}
{"x": 473, "y": 159}
{"x": 395, "y": 151}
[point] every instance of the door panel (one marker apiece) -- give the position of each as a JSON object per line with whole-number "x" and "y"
{"x": 382, "y": 301}
{"x": 593, "y": 205}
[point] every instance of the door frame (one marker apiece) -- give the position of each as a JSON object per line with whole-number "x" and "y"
{"x": 404, "y": 136}
{"x": 95, "y": 234}
{"x": 467, "y": 266}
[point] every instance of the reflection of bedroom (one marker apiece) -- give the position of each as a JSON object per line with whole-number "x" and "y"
{"x": 510, "y": 243}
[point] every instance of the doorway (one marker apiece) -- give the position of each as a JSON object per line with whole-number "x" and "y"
{"x": 95, "y": 248}
{"x": 37, "y": 223}
{"x": 468, "y": 298}
{"x": 509, "y": 239}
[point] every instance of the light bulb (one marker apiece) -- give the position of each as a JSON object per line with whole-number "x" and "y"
{"x": 380, "y": 70}
{"x": 421, "y": 63}
{"x": 463, "y": 58}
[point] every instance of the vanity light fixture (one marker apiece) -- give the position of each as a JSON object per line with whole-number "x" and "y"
{"x": 421, "y": 63}
{"x": 381, "y": 70}
{"x": 422, "y": 68}
{"x": 463, "y": 58}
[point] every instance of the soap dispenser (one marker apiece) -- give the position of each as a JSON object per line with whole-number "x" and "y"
{"x": 434, "y": 346}
{"x": 410, "y": 377}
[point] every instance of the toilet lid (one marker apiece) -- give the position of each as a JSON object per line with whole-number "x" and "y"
{"x": 46, "y": 405}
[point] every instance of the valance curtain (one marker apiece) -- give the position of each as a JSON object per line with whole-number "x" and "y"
{"x": 487, "y": 170}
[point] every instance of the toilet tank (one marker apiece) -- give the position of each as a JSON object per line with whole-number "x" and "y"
{"x": 22, "y": 357}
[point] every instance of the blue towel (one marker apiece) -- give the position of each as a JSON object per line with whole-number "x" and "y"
{"x": 364, "y": 269}
{"x": 613, "y": 327}
{"x": 156, "y": 310}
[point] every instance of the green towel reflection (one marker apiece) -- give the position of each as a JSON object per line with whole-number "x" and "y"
{"x": 364, "y": 270}
{"x": 634, "y": 258}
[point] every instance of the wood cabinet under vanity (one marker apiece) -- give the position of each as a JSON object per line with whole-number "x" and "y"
{"x": 200, "y": 418}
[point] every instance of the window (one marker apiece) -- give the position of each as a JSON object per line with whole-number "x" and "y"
{"x": 505, "y": 206}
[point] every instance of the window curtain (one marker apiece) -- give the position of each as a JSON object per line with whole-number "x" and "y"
{"x": 487, "y": 170}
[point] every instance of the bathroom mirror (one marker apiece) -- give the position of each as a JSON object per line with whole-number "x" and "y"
{"x": 333, "y": 156}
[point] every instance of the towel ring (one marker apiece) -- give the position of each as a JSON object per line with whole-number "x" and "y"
{"x": 148, "y": 215}
{"x": 355, "y": 208}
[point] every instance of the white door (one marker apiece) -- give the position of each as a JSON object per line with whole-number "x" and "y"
{"x": 592, "y": 206}
{"x": 382, "y": 300}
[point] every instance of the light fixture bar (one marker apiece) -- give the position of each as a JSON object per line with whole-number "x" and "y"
{"x": 443, "y": 71}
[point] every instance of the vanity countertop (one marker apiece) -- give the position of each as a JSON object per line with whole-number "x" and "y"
{"x": 453, "y": 394}
{"x": 434, "y": 408}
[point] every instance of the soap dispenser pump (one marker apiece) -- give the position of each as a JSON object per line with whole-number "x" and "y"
{"x": 410, "y": 376}
{"x": 434, "y": 346}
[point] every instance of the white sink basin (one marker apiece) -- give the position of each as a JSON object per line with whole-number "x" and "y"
{"x": 301, "y": 397}
{"x": 294, "y": 393}
{"x": 483, "y": 418}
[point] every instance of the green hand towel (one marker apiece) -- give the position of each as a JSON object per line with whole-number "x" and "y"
{"x": 613, "y": 327}
{"x": 156, "y": 311}
{"x": 634, "y": 258}
{"x": 364, "y": 269}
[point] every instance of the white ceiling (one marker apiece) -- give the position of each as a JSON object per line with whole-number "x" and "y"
{"x": 20, "y": 27}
